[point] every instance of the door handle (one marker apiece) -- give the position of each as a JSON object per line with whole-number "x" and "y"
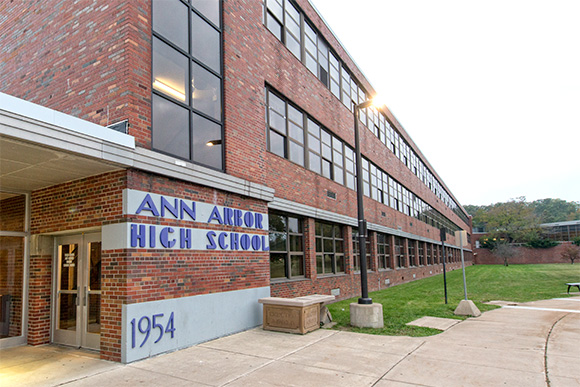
{"x": 85, "y": 297}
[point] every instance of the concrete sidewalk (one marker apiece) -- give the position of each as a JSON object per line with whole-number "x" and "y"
{"x": 512, "y": 346}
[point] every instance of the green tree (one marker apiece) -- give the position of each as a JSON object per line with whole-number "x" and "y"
{"x": 513, "y": 221}
{"x": 556, "y": 210}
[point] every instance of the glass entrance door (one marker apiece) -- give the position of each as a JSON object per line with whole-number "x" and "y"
{"x": 78, "y": 291}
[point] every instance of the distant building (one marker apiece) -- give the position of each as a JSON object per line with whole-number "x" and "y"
{"x": 165, "y": 164}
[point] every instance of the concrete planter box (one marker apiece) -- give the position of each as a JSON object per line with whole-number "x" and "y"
{"x": 293, "y": 315}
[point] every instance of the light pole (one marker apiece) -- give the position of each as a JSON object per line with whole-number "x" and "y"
{"x": 363, "y": 313}
{"x": 362, "y": 224}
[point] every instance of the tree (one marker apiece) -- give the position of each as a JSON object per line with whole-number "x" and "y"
{"x": 556, "y": 210}
{"x": 505, "y": 251}
{"x": 513, "y": 221}
{"x": 571, "y": 253}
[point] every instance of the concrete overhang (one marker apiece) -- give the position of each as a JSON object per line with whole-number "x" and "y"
{"x": 40, "y": 147}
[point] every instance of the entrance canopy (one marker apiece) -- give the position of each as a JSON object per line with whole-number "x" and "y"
{"x": 40, "y": 147}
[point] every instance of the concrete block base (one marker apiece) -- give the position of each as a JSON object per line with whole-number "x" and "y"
{"x": 366, "y": 316}
{"x": 467, "y": 308}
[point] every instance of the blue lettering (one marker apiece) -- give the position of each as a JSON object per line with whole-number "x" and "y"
{"x": 245, "y": 241}
{"x": 228, "y": 216}
{"x": 235, "y": 241}
{"x": 215, "y": 215}
{"x": 147, "y": 201}
{"x": 238, "y": 218}
{"x": 185, "y": 208}
{"x": 259, "y": 218}
{"x": 256, "y": 242}
{"x": 222, "y": 240}
{"x": 265, "y": 247}
{"x": 185, "y": 238}
{"x": 210, "y": 235}
{"x": 166, "y": 205}
{"x": 138, "y": 235}
{"x": 152, "y": 236}
{"x": 249, "y": 219}
{"x": 164, "y": 236}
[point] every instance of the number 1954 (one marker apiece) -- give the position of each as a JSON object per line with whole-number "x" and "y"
{"x": 147, "y": 324}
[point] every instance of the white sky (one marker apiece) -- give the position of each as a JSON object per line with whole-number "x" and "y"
{"x": 488, "y": 90}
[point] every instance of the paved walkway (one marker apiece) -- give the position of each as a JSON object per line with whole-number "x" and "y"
{"x": 532, "y": 344}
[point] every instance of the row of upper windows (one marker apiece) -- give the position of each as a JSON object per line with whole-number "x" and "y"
{"x": 287, "y": 251}
{"x": 291, "y": 27}
{"x": 293, "y": 135}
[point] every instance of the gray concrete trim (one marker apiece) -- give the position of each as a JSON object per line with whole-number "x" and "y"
{"x": 161, "y": 164}
{"x": 312, "y": 212}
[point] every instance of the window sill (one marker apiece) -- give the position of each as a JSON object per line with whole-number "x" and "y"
{"x": 322, "y": 276}
{"x": 285, "y": 280}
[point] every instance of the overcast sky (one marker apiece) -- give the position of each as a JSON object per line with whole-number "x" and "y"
{"x": 488, "y": 90}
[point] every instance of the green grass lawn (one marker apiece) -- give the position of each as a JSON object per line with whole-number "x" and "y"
{"x": 408, "y": 302}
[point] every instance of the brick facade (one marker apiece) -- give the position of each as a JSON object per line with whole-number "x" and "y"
{"x": 92, "y": 60}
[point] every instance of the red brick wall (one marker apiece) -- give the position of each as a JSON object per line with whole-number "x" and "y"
{"x": 524, "y": 255}
{"x": 39, "y": 299}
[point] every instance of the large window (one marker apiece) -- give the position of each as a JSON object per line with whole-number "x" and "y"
{"x": 187, "y": 80}
{"x": 329, "y": 248}
{"x": 286, "y": 246}
{"x": 384, "y": 251}
{"x": 286, "y": 129}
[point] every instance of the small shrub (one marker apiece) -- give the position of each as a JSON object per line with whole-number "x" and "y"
{"x": 576, "y": 240}
{"x": 541, "y": 243}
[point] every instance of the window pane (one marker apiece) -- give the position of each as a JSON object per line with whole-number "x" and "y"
{"x": 275, "y": 6}
{"x": 296, "y": 132}
{"x": 170, "y": 20}
{"x": 209, "y": 8}
{"x": 339, "y": 263}
{"x": 204, "y": 132}
{"x": 328, "y": 263}
{"x": 169, "y": 71}
{"x": 170, "y": 128}
{"x": 294, "y": 225}
{"x": 314, "y": 163}
{"x": 12, "y": 214}
{"x": 274, "y": 26}
{"x": 328, "y": 245}
{"x": 277, "y": 241}
{"x": 277, "y": 222}
{"x": 206, "y": 93}
{"x": 319, "y": 264}
{"x": 277, "y": 122}
{"x": 326, "y": 169}
{"x": 11, "y": 281}
{"x": 296, "y": 243}
{"x": 296, "y": 153}
{"x": 205, "y": 42}
{"x": 277, "y": 265}
{"x": 327, "y": 231}
{"x": 277, "y": 144}
{"x": 297, "y": 265}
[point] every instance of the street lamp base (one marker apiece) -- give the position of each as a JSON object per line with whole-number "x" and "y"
{"x": 365, "y": 301}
